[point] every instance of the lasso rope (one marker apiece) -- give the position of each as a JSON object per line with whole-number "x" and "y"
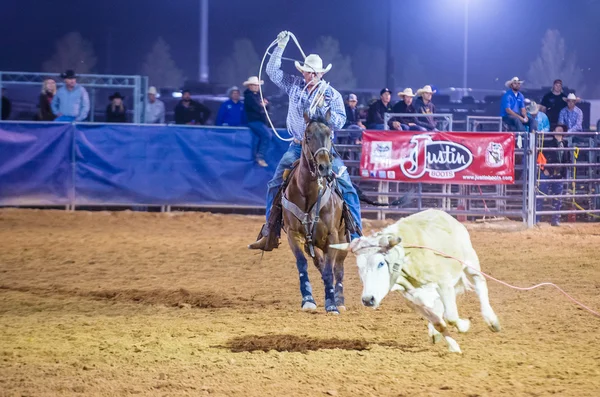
{"x": 595, "y": 313}
{"x": 322, "y": 85}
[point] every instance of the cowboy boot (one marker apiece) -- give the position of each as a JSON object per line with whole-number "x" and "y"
{"x": 261, "y": 239}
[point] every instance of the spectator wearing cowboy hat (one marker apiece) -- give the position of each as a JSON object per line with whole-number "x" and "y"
{"x": 71, "y": 102}
{"x": 353, "y": 114}
{"x": 190, "y": 112}
{"x": 553, "y": 103}
{"x": 155, "y": 108}
{"x": 542, "y": 122}
{"x": 423, "y": 105}
{"x": 378, "y": 109}
{"x": 550, "y": 178}
{"x": 513, "y": 111}
{"x": 405, "y": 106}
{"x": 571, "y": 116}
{"x": 231, "y": 112}
{"x": 115, "y": 111}
{"x": 257, "y": 118}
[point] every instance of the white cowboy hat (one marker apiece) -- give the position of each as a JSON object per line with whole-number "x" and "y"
{"x": 513, "y": 80}
{"x": 253, "y": 80}
{"x": 152, "y": 90}
{"x": 312, "y": 64}
{"x": 572, "y": 97}
{"x": 407, "y": 92}
{"x": 533, "y": 108}
{"x": 426, "y": 89}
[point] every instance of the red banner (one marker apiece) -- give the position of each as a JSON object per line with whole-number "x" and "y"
{"x": 439, "y": 157}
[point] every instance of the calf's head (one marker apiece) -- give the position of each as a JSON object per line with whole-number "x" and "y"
{"x": 375, "y": 259}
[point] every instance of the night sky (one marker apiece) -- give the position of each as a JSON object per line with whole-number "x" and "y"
{"x": 504, "y": 36}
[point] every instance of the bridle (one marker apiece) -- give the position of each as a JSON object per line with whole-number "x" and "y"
{"x": 312, "y": 162}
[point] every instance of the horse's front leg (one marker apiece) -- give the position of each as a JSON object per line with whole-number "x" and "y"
{"x": 325, "y": 260}
{"x": 296, "y": 242}
{"x": 338, "y": 257}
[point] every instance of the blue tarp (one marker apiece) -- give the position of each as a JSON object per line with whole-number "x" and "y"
{"x": 35, "y": 164}
{"x": 132, "y": 164}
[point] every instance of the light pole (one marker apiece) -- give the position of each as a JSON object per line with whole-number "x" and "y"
{"x": 203, "y": 69}
{"x": 466, "y": 47}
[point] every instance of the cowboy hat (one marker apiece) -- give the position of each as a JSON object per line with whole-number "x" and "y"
{"x": 424, "y": 90}
{"x": 116, "y": 95}
{"x": 533, "y": 108}
{"x": 312, "y": 64}
{"x": 407, "y": 92}
{"x": 152, "y": 90}
{"x": 69, "y": 74}
{"x": 253, "y": 80}
{"x": 572, "y": 97}
{"x": 513, "y": 80}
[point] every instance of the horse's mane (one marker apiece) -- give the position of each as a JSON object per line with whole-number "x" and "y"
{"x": 319, "y": 119}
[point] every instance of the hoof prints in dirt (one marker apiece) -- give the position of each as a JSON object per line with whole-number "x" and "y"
{"x": 292, "y": 343}
{"x": 179, "y": 298}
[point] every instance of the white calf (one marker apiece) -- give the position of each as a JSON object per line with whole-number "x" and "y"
{"x": 389, "y": 261}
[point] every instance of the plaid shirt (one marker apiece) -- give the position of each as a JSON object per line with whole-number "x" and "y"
{"x": 571, "y": 118}
{"x": 300, "y": 99}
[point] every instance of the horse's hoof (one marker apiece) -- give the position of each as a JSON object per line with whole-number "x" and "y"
{"x": 309, "y": 306}
{"x": 332, "y": 310}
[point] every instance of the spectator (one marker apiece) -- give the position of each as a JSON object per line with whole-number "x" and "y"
{"x": 541, "y": 120}
{"x": 513, "y": 111}
{"x": 6, "y": 106}
{"x": 550, "y": 182}
{"x": 45, "y": 110}
{"x": 378, "y": 109}
{"x": 553, "y": 103}
{"x": 155, "y": 108}
{"x": 115, "y": 111}
{"x": 190, "y": 112}
{"x": 353, "y": 114}
{"x": 71, "y": 102}
{"x": 231, "y": 112}
{"x": 571, "y": 116}
{"x": 423, "y": 105}
{"x": 405, "y": 106}
{"x": 257, "y": 118}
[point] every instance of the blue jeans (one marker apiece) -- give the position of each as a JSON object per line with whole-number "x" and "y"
{"x": 263, "y": 134}
{"x": 65, "y": 118}
{"x": 549, "y": 186}
{"x": 293, "y": 153}
{"x": 514, "y": 124}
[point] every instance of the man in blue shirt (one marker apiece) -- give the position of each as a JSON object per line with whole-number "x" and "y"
{"x": 231, "y": 112}
{"x": 543, "y": 123}
{"x": 71, "y": 102}
{"x": 513, "y": 110}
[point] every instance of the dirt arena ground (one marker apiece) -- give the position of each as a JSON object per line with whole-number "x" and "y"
{"x": 114, "y": 304}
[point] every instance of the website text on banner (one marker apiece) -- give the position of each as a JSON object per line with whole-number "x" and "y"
{"x": 439, "y": 157}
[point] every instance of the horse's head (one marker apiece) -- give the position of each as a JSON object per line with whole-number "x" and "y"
{"x": 317, "y": 144}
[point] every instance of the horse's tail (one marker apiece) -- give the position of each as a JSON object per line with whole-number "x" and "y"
{"x": 400, "y": 202}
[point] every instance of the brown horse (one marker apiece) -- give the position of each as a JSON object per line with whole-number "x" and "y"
{"x": 312, "y": 215}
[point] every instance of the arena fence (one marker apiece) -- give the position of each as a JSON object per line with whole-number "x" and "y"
{"x": 75, "y": 165}
{"x": 580, "y": 189}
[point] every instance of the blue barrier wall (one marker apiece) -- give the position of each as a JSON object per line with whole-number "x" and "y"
{"x": 97, "y": 164}
{"x": 35, "y": 164}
